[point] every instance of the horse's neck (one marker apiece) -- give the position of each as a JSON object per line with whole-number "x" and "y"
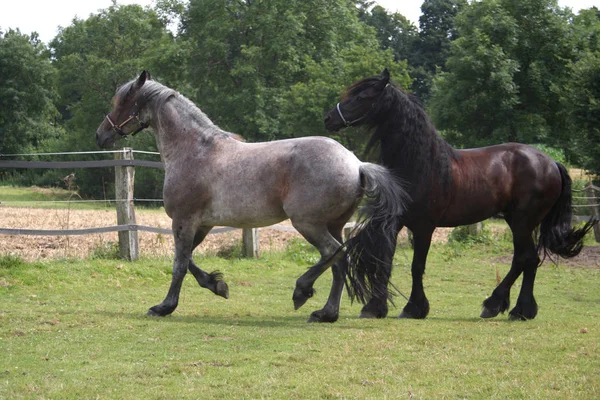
{"x": 182, "y": 130}
{"x": 413, "y": 146}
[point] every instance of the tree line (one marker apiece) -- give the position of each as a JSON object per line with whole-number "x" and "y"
{"x": 488, "y": 71}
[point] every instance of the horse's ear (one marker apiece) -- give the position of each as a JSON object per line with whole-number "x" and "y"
{"x": 145, "y": 75}
{"x": 386, "y": 75}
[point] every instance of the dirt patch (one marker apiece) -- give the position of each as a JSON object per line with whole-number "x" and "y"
{"x": 588, "y": 258}
{"x": 151, "y": 244}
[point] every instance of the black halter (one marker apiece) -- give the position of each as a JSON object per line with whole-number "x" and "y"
{"x": 350, "y": 123}
{"x": 118, "y": 128}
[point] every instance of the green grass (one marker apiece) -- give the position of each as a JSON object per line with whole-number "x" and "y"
{"x": 46, "y": 198}
{"x": 77, "y": 329}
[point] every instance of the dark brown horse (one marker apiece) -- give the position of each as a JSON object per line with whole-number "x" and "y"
{"x": 450, "y": 187}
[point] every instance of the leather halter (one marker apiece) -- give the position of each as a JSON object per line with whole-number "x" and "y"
{"x": 350, "y": 123}
{"x": 119, "y": 128}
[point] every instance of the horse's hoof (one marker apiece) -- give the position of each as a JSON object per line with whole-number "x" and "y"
{"x": 299, "y": 297}
{"x": 523, "y": 312}
{"x": 368, "y": 315}
{"x": 516, "y": 317}
{"x": 299, "y": 302}
{"x": 321, "y": 316}
{"x": 405, "y": 315}
{"x": 488, "y": 313}
{"x": 374, "y": 310}
{"x": 158, "y": 311}
{"x": 222, "y": 289}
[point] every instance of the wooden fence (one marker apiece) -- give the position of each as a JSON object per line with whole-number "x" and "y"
{"x": 127, "y": 227}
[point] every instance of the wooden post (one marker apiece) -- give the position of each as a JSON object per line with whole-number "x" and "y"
{"x": 593, "y": 201}
{"x": 475, "y": 229}
{"x": 124, "y": 181}
{"x": 250, "y": 243}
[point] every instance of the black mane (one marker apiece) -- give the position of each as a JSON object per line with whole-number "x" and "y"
{"x": 407, "y": 138}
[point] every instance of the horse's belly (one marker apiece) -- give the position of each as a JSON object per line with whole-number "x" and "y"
{"x": 243, "y": 217}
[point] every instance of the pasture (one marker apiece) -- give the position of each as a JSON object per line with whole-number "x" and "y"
{"x": 73, "y": 328}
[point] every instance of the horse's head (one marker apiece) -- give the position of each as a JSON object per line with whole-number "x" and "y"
{"x": 358, "y": 103}
{"x": 124, "y": 119}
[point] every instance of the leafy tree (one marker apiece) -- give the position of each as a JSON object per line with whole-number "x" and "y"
{"x": 436, "y": 33}
{"x": 270, "y": 69}
{"x": 93, "y": 57}
{"x": 425, "y": 50}
{"x": 503, "y": 75}
{"x": 27, "y": 92}
{"x": 581, "y": 94}
{"x": 393, "y": 30}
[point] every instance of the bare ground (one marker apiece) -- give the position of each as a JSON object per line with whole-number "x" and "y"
{"x": 152, "y": 244}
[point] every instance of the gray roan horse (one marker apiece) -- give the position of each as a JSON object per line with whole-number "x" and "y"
{"x": 214, "y": 179}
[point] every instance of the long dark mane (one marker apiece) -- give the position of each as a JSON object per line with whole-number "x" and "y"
{"x": 407, "y": 139}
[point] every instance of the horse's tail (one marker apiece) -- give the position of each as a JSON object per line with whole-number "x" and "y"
{"x": 556, "y": 234}
{"x": 374, "y": 235}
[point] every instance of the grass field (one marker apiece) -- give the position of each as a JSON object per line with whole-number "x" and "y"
{"x": 77, "y": 329}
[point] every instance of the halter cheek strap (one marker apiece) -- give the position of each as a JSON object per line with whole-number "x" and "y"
{"x": 350, "y": 123}
{"x": 119, "y": 128}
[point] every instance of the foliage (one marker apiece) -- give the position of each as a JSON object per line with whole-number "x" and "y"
{"x": 270, "y": 69}
{"x": 77, "y": 329}
{"x": 437, "y": 32}
{"x": 27, "y": 91}
{"x": 581, "y": 95}
{"x": 424, "y": 49}
{"x": 94, "y": 57}
{"x": 557, "y": 155}
{"x": 489, "y": 71}
{"x": 467, "y": 234}
{"x": 503, "y": 74}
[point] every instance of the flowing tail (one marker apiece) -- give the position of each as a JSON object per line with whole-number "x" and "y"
{"x": 556, "y": 234}
{"x": 374, "y": 236}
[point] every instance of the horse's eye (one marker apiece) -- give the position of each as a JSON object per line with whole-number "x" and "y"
{"x": 361, "y": 96}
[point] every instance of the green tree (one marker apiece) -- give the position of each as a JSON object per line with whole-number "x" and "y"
{"x": 581, "y": 94}
{"x": 393, "y": 30}
{"x": 436, "y": 32}
{"x": 270, "y": 69}
{"x": 504, "y": 74}
{"x": 93, "y": 57}
{"x": 27, "y": 91}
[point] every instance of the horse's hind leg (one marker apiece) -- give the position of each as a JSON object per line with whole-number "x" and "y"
{"x": 382, "y": 252}
{"x": 526, "y": 307}
{"x": 331, "y": 252}
{"x": 212, "y": 281}
{"x": 525, "y": 258}
{"x": 330, "y": 312}
{"x": 184, "y": 239}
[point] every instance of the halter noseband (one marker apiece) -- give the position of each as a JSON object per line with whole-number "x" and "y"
{"x": 119, "y": 128}
{"x": 350, "y": 123}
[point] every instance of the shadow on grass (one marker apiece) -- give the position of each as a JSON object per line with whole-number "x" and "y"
{"x": 228, "y": 320}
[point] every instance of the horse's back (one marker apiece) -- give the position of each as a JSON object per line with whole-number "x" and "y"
{"x": 503, "y": 178}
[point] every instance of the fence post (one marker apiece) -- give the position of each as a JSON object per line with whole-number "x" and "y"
{"x": 475, "y": 229}
{"x": 124, "y": 181}
{"x": 592, "y": 201}
{"x": 250, "y": 243}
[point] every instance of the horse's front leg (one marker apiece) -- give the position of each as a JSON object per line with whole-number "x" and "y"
{"x": 184, "y": 239}
{"x": 212, "y": 281}
{"x": 418, "y": 305}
